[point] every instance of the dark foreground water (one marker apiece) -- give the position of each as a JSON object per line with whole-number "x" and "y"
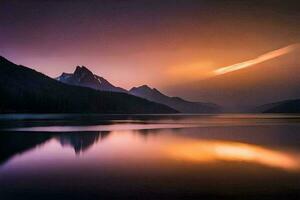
{"x": 149, "y": 157}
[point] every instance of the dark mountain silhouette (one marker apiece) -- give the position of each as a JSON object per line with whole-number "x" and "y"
{"x": 174, "y": 102}
{"x": 84, "y": 77}
{"x": 25, "y": 90}
{"x": 287, "y": 106}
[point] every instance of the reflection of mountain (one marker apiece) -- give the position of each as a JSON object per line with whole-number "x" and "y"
{"x": 12, "y": 143}
{"x": 81, "y": 141}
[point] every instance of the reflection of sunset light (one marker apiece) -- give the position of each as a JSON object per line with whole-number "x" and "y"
{"x": 209, "y": 151}
{"x": 262, "y": 58}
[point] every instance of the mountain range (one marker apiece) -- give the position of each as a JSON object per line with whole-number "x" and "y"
{"x": 24, "y": 90}
{"x": 82, "y": 76}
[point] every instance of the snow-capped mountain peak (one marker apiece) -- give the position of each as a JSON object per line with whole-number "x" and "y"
{"x": 82, "y": 76}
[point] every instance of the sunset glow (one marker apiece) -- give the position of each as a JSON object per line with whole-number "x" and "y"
{"x": 149, "y": 99}
{"x": 260, "y": 59}
{"x": 131, "y": 43}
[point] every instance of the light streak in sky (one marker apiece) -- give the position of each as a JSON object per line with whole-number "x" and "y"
{"x": 260, "y": 59}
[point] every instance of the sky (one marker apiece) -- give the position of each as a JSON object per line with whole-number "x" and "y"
{"x": 135, "y": 42}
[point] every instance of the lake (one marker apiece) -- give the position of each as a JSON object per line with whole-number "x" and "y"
{"x": 230, "y": 156}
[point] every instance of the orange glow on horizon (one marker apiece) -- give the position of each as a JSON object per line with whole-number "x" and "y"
{"x": 190, "y": 72}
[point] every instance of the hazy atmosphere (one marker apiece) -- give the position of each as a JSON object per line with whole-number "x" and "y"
{"x": 149, "y": 99}
{"x": 135, "y": 42}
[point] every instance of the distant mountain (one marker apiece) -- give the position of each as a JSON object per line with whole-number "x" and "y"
{"x": 84, "y": 77}
{"x": 176, "y": 103}
{"x": 287, "y": 106}
{"x": 24, "y": 90}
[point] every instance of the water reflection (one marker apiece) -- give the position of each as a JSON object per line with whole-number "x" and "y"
{"x": 152, "y": 160}
{"x": 167, "y": 146}
{"x": 81, "y": 141}
{"x": 210, "y": 151}
{"x": 15, "y": 143}
{"x": 81, "y": 122}
{"x": 12, "y": 144}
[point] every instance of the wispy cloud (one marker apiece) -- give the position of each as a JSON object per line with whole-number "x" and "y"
{"x": 260, "y": 59}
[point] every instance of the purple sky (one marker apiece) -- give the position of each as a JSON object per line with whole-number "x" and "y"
{"x": 134, "y": 42}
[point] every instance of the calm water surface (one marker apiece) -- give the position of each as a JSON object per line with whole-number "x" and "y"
{"x": 149, "y": 157}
